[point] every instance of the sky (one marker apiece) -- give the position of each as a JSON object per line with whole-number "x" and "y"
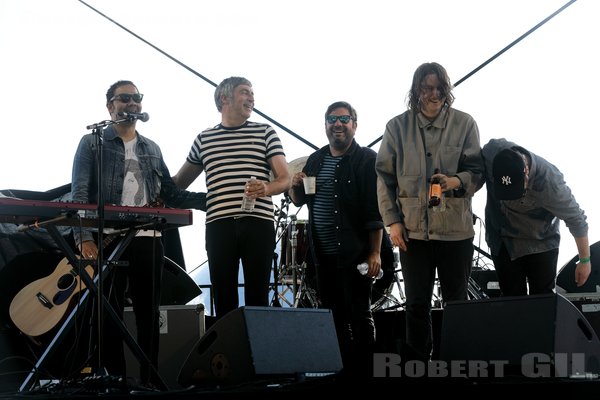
{"x": 59, "y": 57}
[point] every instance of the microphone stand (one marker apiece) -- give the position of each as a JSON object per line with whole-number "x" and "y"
{"x": 133, "y": 345}
{"x": 97, "y": 131}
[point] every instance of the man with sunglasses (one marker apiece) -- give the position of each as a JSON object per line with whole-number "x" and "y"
{"x": 345, "y": 230}
{"x": 134, "y": 174}
{"x": 430, "y": 136}
{"x": 232, "y": 153}
{"x": 526, "y": 199}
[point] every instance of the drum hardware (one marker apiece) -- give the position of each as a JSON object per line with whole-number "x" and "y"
{"x": 281, "y": 214}
{"x": 475, "y": 291}
{"x": 291, "y": 277}
{"x": 388, "y": 301}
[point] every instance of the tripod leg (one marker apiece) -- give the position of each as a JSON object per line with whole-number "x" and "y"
{"x": 275, "y": 302}
{"x": 399, "y": 285}
{"x": 304, "y": 291}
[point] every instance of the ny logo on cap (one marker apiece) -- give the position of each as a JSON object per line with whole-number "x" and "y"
{"x": 506, "y": 180}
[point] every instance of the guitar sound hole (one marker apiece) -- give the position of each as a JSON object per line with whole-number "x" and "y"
{"x": 65, "y": 281}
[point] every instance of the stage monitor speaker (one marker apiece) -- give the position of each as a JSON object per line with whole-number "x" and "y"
{"x": 178, "y": 288}
{"x": 566, "y": 275}
{"x": 261, "y": 342}
{"x": 512, "y": 329}
{"x": 589, "y": 305}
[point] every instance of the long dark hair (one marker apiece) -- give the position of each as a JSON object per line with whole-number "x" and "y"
{"x": 418, "y": 78}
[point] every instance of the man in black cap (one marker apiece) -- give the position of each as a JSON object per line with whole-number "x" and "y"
{"x": 526, "y": 197}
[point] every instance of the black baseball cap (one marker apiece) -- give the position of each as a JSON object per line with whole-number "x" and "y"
{"x": 508, "y": 170}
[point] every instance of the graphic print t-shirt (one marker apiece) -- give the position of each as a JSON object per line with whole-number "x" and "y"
{"x": 134, "y": 193}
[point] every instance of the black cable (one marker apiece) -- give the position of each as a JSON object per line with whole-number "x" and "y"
{"x": 498, "y": 54}
{"x": 199, "y": 75}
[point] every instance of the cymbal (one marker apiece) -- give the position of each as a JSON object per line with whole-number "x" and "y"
{"x": 295, "y": 166}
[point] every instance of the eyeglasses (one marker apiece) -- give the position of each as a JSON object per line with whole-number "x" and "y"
{"x": 344, "y": 119}
{"x": 126, "y": 97}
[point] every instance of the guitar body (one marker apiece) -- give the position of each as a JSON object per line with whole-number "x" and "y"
{"x": 42, "y": 304}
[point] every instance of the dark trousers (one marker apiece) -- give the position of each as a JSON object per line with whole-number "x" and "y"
{"x": 141, "y": 279}
{"x": 229, "y": 240}
{"x": 452, "y": 260}
{"x": 348, "y": 294}
{"x": 539, "y": 270}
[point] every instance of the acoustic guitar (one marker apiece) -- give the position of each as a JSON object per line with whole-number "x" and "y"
{"x": 42, "y": 304}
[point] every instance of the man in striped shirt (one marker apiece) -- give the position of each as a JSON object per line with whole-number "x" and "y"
{"x": 231, "y": 153}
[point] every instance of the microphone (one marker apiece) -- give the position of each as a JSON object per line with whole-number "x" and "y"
{"x": 132, "y": 116}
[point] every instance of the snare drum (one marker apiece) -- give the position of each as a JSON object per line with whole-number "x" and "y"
{"x": 301, "y": 243}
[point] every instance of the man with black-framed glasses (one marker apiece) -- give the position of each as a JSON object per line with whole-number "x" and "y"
{"x": 345, "y": 230}
{"x": 134, "y": 174}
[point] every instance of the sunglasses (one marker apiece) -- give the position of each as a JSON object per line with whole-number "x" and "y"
{"x": 126, "y": 97}
{"x": 344, "y": 119}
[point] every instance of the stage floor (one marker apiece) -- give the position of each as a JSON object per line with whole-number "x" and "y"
{"x": 335, "y": 384}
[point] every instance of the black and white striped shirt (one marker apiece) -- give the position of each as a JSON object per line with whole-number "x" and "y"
{"x": 323, "y": 206}
{"x": 230, "y": 156}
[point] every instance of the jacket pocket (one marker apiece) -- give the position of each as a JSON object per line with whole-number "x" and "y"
{"x": 412, "y": 212}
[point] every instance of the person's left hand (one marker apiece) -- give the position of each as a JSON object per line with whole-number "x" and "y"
{"x": 256, "y": 188}
{"x": 447, "y": 182}
{"x": 582, "y": 273}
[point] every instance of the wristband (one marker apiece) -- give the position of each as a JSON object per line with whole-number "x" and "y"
{"x": 584, "y": 260}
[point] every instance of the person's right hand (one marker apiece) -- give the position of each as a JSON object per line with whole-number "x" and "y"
{"x": 398, "y": 235}
{"x": 297, "y": 179}
{"x": 89, "y": 250}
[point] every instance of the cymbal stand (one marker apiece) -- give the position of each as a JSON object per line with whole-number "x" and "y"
{"x": 294, "y": 265}
{"x": 281, "y": 214}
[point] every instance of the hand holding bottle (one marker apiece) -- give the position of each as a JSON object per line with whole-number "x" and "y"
{"x": 248, "y": 201}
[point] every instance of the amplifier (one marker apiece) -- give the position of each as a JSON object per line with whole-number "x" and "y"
{"x": 181, "y": 326}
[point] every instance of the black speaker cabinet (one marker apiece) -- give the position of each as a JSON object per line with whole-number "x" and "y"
{"x": 180, "y": 329}
{"x": 512, "y": 330}
{"x": 260, "y": 342}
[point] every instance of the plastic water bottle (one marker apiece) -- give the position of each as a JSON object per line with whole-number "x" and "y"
{"x": 364, "y": 267}
{"x": 248, "y": 202}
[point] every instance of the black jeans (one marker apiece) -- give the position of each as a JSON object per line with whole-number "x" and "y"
{"x": 537, "y": 270}
{"x": 141, "y": 279}
{"x": 227, "y": 241}
{"x": 348, "y": 294}
{"x": 452, "y": 260}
